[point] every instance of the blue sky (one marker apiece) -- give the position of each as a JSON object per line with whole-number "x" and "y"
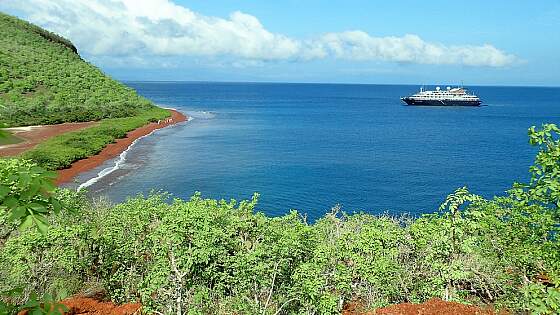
{"x": 429, "y": 42}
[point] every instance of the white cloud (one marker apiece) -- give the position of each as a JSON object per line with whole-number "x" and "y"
{"x": 358, "y": 45}
{"x": 162, "y": 28}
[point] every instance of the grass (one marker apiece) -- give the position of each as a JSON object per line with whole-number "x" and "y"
{"x": 9, "y": 138}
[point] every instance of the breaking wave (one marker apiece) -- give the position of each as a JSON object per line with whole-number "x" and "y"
{"x": 119, "y": 162}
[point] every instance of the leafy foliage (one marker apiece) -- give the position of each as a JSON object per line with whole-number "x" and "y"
{"x": 543, "y": 300}
{"x": 26, "y": 198}
{"x": 34, "y": 306}
{"x": 45, "y": 306}
{"x": 207, "y": 256}
{"x": 44, "y": 81}
{"x": 210, "y": 256}
{"x": 544, "y": 187}
{"x": 26, "y": 194}
{"x": 7, "y": 308}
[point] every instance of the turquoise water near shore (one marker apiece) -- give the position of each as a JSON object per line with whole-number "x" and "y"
{"x": 312, "y": 146}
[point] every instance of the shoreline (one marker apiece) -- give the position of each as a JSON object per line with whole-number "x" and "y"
{"x": 33, "y": 135}
{"x": 113, "y": 150}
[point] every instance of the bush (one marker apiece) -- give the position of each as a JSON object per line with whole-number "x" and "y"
{"x": 26, "y": 195}
{"x": 209, "y": 256}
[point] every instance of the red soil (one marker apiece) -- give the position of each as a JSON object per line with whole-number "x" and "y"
{"x": 431, "y": 307}
{"x": 93, "y": 307}
{"x": 114, "y": 149}
{"x": 89, "y": 306}
{"x": 34, "y": 135}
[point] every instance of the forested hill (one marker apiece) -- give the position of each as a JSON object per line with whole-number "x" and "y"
{"x": 43, "y": 80}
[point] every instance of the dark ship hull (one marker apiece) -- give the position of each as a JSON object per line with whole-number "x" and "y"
{"x": 411, "y": 101}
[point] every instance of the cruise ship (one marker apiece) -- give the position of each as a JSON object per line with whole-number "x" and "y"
{"x": 458, "y": 96}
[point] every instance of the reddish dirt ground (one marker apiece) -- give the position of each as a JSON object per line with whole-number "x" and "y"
{"x": 89, "y": 306}
{"x": 430, "y": 307}
{"x": 33, "y": 135}
{"x": 114, "y": 149}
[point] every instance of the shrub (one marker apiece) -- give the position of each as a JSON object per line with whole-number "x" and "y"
{"x": 25, "y": 195}
{"x": 209, "y": 256}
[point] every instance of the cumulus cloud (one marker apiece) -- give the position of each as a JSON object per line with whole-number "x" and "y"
{"x": 162, "y": 28}
{"x": 358, "y": 45}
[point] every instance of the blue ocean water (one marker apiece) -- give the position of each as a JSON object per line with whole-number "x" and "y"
{"x": 312, "y": 146}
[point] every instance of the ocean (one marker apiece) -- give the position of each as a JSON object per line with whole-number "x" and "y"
{"x": 313, "y": 146}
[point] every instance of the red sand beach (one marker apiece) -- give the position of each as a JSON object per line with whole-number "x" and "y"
{"x": 34, "y": 135}
{"x": 114, "y": 149}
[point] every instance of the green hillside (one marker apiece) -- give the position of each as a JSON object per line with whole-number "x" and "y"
{"x": 203, "y": 256}
{"x": 43, "y": 80}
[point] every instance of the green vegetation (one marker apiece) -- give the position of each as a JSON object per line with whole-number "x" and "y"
{"x": 44, "y": 81}
{"x": 7, "y": 138}
{"x": 61, "y": 151}
{"x": 44, "y": 306}
{"x": 26, "y": 192}
{"x": 205, "y": 256}
{"x": 26, "y": 199}
{"x": 3, "y": 134}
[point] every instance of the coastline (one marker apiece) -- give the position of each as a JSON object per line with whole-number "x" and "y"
{"x": 33, "y": 135}
{"x": 115, "y": 149}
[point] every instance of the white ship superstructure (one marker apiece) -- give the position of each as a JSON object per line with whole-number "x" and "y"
{"x": 449, "y": 97}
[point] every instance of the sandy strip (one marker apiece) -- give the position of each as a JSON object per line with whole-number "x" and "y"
{"x": 33, "y": 135}
{"x": 114, "y": 149}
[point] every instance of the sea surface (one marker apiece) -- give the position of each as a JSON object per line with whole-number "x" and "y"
{"x": 313, "y": 146}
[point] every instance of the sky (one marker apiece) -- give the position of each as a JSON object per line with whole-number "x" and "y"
{"x": 475, "y": 42}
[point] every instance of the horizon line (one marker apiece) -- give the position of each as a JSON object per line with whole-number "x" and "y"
{"x": 333, "y": 83}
